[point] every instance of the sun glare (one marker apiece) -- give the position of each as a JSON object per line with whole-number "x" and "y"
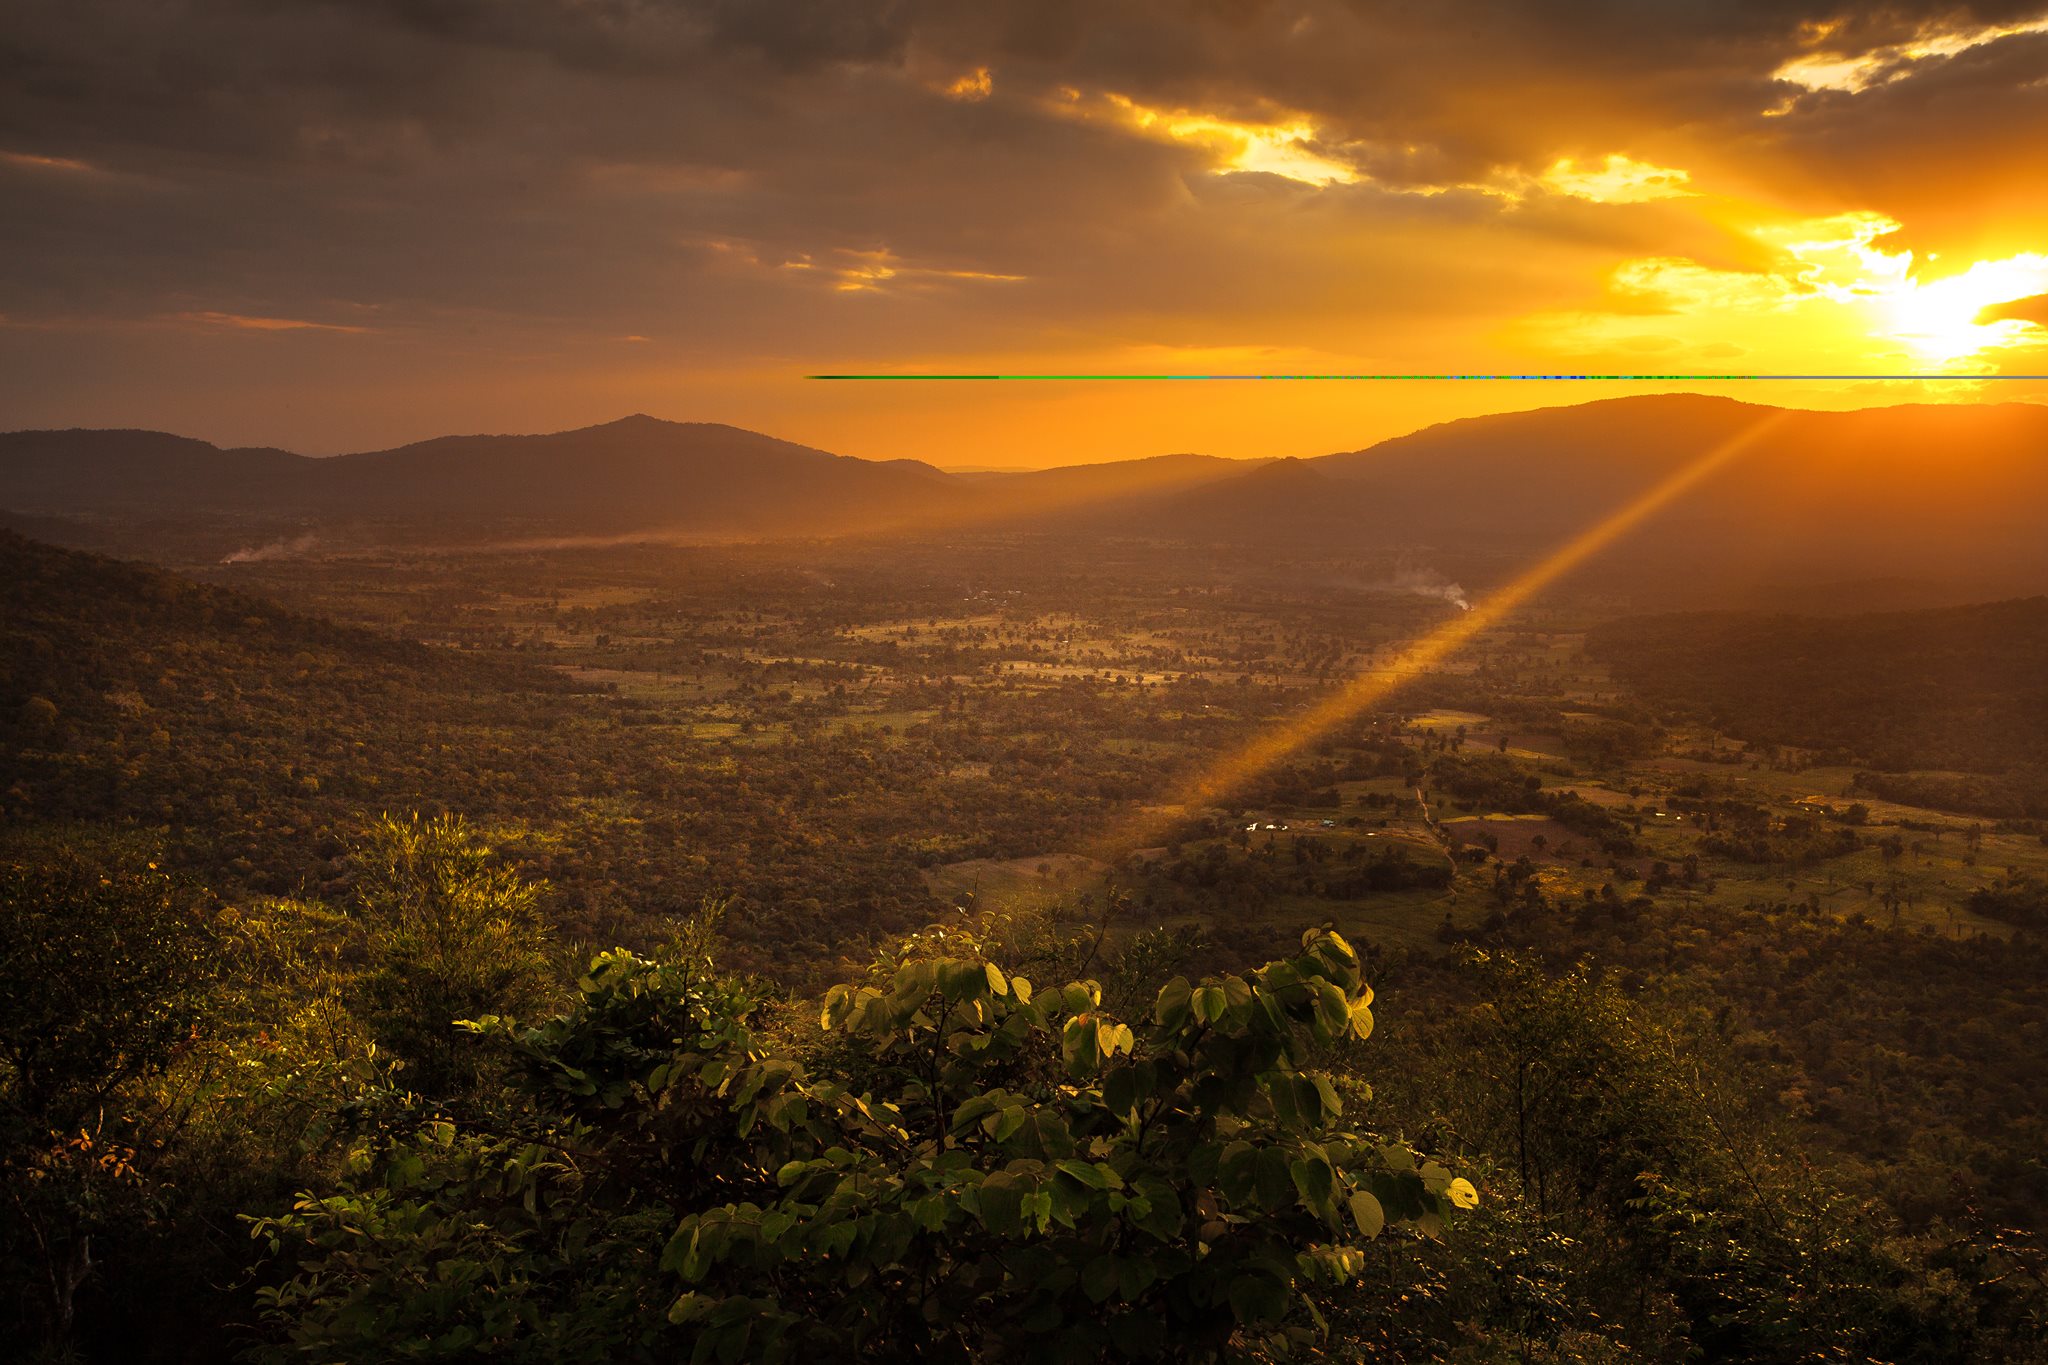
{"x": 1939, "y": 318}
{"x": 1831, "y": 297}
{"x": 1936, "y": 319}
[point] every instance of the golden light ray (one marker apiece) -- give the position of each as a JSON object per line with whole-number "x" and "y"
{"x": 1215, "y": 783}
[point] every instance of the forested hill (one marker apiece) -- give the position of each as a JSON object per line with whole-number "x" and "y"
{"x": 94, "y": 612}
{"x": 133, "y": 694}
{"x": 1961, "y": 688}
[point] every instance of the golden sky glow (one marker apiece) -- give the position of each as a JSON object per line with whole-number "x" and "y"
{"x": 537, "y": 216}
{"x": 1616, "y": 180}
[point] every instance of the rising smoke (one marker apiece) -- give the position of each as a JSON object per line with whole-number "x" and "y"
{"x": 276, "y": 549}
{"x": 1422, "y": 582}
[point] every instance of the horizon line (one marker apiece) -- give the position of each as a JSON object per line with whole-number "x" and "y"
{"x": 1390, "y": 377}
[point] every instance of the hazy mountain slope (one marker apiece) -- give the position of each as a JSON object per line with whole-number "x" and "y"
{"x": 1285, "y": 499}
{"x": 1810, "y": 481}
{"x": 636, "y": 474}
{"x": 1077, "y": 485}
{"x": 1920, "y": 494}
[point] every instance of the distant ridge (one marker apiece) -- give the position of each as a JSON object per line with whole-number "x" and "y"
{"x": 1872, "y": 493}
{"x": 638, "y": 474}
{"x": 1922, "y": 471}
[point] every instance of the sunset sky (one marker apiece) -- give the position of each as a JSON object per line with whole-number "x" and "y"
{"x": 349, "y": 225}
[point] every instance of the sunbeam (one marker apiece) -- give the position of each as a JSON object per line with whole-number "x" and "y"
{"x": 1213, "y": 784}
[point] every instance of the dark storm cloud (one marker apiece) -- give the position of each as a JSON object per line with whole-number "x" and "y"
{"x": 241, "y": 75}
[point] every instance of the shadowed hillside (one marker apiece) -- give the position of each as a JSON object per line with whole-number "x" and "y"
{"x": 131, "y": 694}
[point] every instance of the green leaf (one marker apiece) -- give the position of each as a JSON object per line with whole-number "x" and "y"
{"x": 838, "y": 1004}
{"x": 1367, "y": 1213}
{"x": 1172, "y": 1006}
{"x": 1120, "y": 1091}
{"x": 1080, "y": 1045}
{"x": 1258, "y": 1299}
{"x": 974, "y": 1110}
{"x": 1009, "y": 1121}
{"x": 1313, "y": 1181}
{"x": 1333, "y": 1010}
{"x": 999, "y": 1204}
{"x": 1099, "y": 1278}
{"x": 1117, "y": 1038}
{"x": 959, "y": 980}
{"x": 1275, "y": 1182}
{"x": 1236, "y": 1171}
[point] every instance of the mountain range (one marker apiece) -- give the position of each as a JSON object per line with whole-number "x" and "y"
{"x": 1958, "y": 487}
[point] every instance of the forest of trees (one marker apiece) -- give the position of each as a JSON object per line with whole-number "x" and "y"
{"x": 1956, "y": 688}
{"x": 410, "y": 1125}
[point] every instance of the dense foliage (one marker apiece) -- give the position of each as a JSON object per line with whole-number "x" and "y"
{"x": 962, "y": 1167}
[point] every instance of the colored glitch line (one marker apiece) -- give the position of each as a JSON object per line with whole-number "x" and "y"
{"x": 1409, "y": 378}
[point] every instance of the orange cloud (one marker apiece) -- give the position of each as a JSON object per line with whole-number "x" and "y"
{"x": 28, "y": 161}
{"x": 243, "y": 323}
{"x": 1855, "y": 72}
{"x": 1289, "y": 147}
{"x": 973, "y": 87}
